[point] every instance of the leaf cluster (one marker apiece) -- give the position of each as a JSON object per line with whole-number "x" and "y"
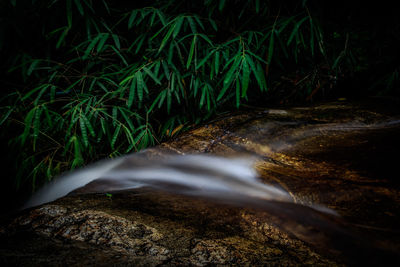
{"x": 116, "y": 77}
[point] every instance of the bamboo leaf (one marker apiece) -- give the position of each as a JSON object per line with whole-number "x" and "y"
{"x": 170, "y": 53}
{"x": 245, "y": 77}
{"x": 228, "y": 63}
{"x": 62, "y": 37}
{"x": 166, "y": 38}
{"x": 103, "y": 125}
{"x": 103, "y": 40}
{"x": 166, "y": 69}
{"x": 205, "y": 37}
{"x": 79, "y": 7}
{"x": 152, "y": 75}
{"x": 254, "y": 70}
{"x": 128, "y": 135}
{"x": 116, "y": 41}
{"x": 127, "y": 119}
{"x": 260, "y": 72}
{"x": 48, "y": 117}
{"x": 295, "y": 30}
{"x": 256, "y": 57}
{"x": 337, "y": 60}
{"x": 52, "y": 93}
{"x": 87, "y": 4}
{"x": 139, "y": 45}
{"x": 109, "y": 81}
{"x": 203, "y": 96}
{"x": 169, "y": 100}
{"x": 131, "y": 96}
{"x": 69, "y": 13}
{"x": 120, "y": 56}
{"x": 140, "y": 136}
{"x": 91, "y": 46}
{"x": 285, "y": 23}
{"x": 102, "y": 86}
{"x": 153, "y": 16}
{"x": 6, "y": 115}
{"x": 204, "y": 60}
{"x": 41, "y": 92}
{"x": 34, "y": 90}
{"x": 162, "y": 97}
{"x": 222, "y": 92}
{"x": 191, "y": 52}
{"x": 127, "y": 79}
{"x": 216, "y": 62}
{"x": 213, "y": 24}
{"x": 84, "y": 132}
{"x": 199, "y": 22}
{"x": 192, "y": 25}
{"x": 208, "y": 100}
{"x": 177, "y": 26}
{"x": 115, "y": 136}
{"x": 132, "y": 18}
{"x": 161, "y": 17}
{"x": 78, "y": 160}
{"x": 32, "y": 67}
{"x": 221, "y": 5}
{"x": 229, "y": 76}
{"x": 106, "y": 6}
{"x": 156, "y": 70}
{"x": 177, "y": 97}
{"x": 69, "y": 88}
{"x": 161, "y": 30}
{"x": 114, "y": 116}
{"x": 172, "y": 87}
{"x": 89, "y": 125}
{"x": 196, "y": 86}
{"x": 140, "y": 85}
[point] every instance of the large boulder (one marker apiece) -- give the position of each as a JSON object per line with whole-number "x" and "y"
{"x": 336, "y": 160}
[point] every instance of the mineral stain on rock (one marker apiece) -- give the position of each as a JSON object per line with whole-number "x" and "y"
{"x": 337, "y": 156}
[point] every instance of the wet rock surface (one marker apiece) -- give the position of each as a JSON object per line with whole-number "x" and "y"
{"x": 337, "y": 155}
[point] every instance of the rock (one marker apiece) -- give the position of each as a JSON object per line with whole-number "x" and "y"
{"x": 335, "y": 155}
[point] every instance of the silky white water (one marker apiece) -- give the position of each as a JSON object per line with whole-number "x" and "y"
{"x": 201, "y": 175}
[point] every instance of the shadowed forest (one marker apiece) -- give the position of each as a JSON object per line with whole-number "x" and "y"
{"x": 83, "y": 80}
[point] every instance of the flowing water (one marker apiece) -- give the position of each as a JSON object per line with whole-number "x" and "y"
{"x": 199, "y": 175}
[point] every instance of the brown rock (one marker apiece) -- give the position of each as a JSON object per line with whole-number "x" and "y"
{"x": 335, "y": 155}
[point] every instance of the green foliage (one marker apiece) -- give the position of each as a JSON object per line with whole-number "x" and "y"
{"x": 115, "y": 77}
